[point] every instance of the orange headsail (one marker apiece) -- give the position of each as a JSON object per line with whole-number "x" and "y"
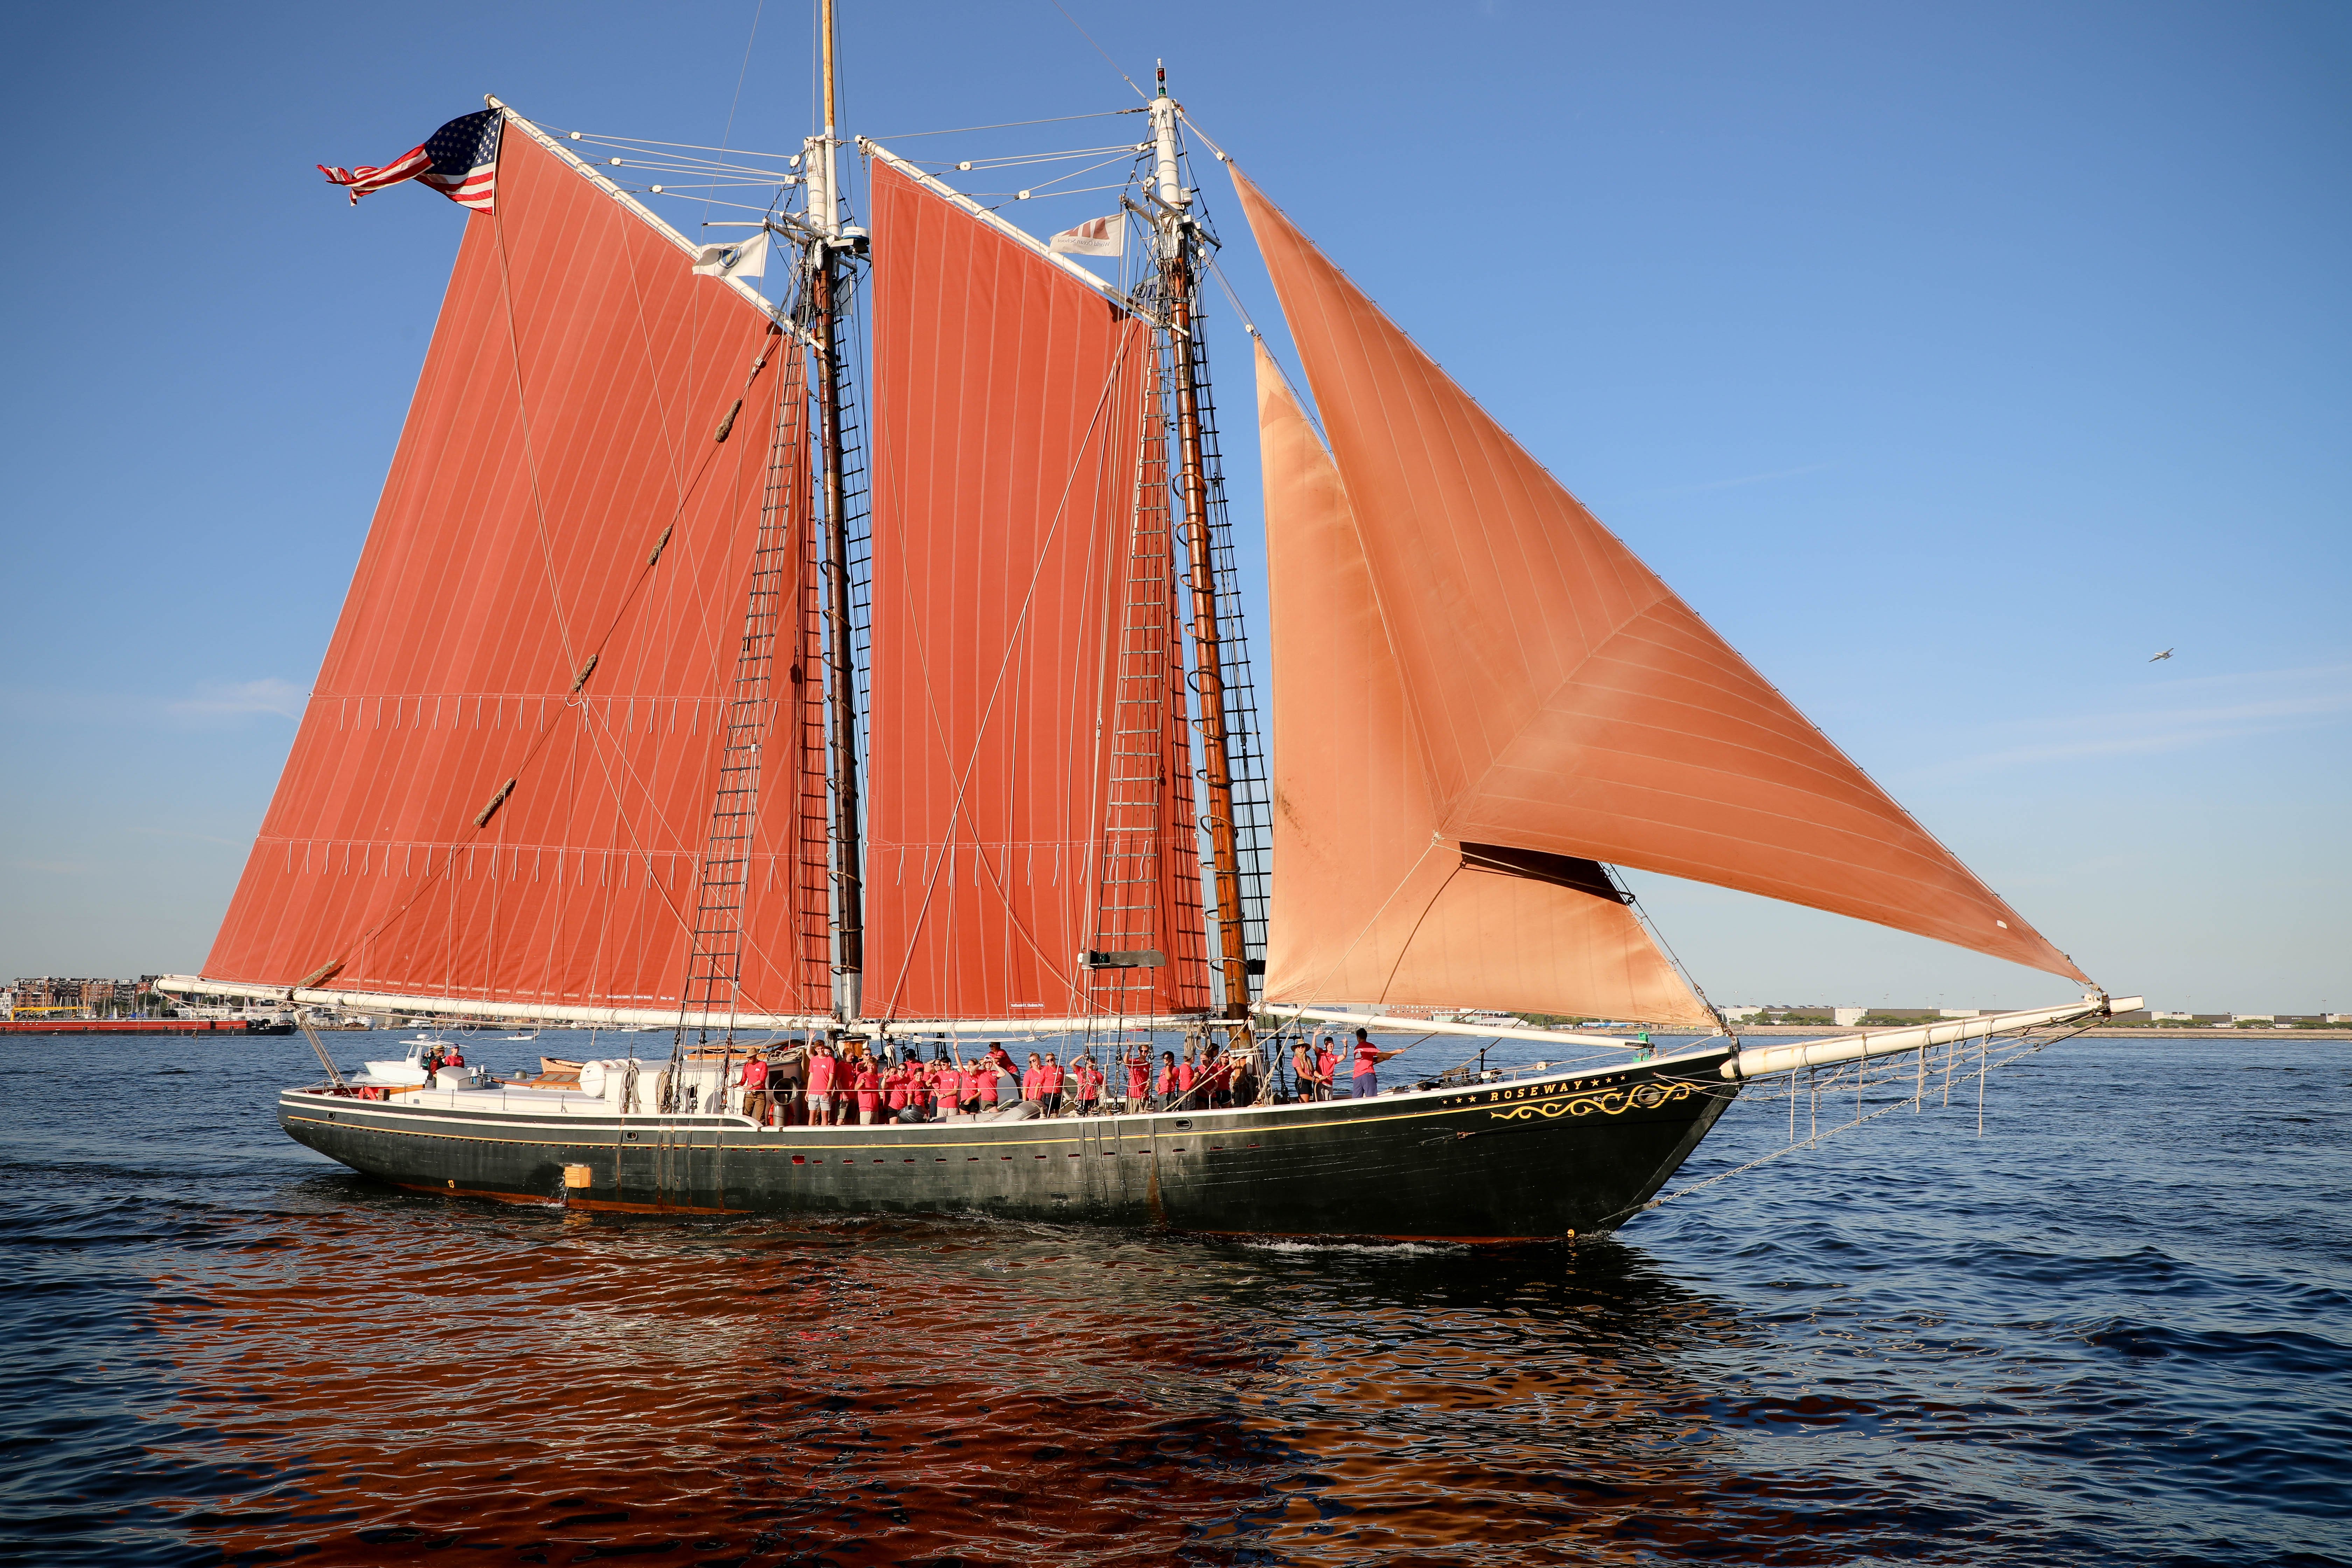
{"x": 1011, "y": 407}
{"x": 1371, "y": 902}
{"x": 1565, "y": 700}
{"x": 561, "y": 435}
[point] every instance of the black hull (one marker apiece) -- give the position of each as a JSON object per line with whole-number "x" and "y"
{"x": 1551, "y": 1158}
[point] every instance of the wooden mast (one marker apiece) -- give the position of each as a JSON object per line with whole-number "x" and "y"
{"x": 826, "y": 266}
{"x": 1177, "y": 287}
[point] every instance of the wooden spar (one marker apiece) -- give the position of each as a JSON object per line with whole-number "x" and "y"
{"x": 1177, "y": 284}
{"x": 825, "y": 297}
{"x": 1755, "y": 1061}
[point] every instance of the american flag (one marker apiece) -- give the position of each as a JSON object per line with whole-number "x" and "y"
{"x": 460, "y": 161}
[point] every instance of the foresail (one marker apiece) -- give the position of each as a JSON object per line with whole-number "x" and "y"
{"x": 1566, "y": 701}
{"x": 1013, "y": 561}
{"x": 503, "y": 782}
{"x": 1371, "y": 902}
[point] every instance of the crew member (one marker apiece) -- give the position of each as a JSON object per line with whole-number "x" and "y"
{"x": 1368, "y": 1057}
{"x": 868, "y": 1087}
{"x": 822, "y": 1067}
{"x": 1326, "y": 1069}
{"x": 754, "y": 1079}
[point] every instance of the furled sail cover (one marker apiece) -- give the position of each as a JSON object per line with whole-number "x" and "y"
{"x": 1372, "y": 903}
{"x": 1567, "y": 700}
{"x": 1010, "y": 410}
{"x": 563, "y": 424}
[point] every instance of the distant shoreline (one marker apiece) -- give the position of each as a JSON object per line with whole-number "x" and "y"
{"x": 2127, "y": 1032}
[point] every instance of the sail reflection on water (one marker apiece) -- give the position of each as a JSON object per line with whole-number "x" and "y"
{"x": 522, "y": 1383}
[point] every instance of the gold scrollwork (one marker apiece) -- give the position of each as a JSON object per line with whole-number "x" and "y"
{"x": 1607, "y": 1102}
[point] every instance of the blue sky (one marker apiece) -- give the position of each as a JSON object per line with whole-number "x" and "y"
{"x": 1952, "y": 359}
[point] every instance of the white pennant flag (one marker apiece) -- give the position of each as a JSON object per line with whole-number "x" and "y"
{"x": 1101, "y": 237}
{"x": 734, "y": 258}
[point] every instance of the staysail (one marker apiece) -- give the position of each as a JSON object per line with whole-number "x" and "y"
{"x": 1371, "y": 901}
{"x": 503, "y": 783}
{"x": 1565, "y": 700}
{"x": 1014, "y": 566}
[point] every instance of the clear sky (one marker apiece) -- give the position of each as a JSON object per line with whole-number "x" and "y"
{"x": 1952, "y": 359}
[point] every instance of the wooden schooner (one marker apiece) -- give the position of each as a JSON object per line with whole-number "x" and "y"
{"x": 866, "y": 662}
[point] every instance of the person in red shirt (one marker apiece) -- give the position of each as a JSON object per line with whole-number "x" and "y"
{"x": 1167, "y": 1085}
{"x": 979, "y": 1084}
{"x": 1138, "y": 1081}
{"x": 1215, "y": 1081}
{"x": 868, "y": 1085}
{"x": 1088, "y": 1079}
{"x": 1033, "y": 1080}
{"x": 1366, "y": 1082}
{"x": 821, "y": 1067}
{"x": 1049, "y": 1082}
{"x": 894, "y": 1089}
{"x": 753, "y": 1076}
{"x": 1327, "y": 1063}
{"x": 1000, "y": 1062}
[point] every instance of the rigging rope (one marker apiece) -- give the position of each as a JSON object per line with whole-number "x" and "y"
{"x": 2025, "y": 1047}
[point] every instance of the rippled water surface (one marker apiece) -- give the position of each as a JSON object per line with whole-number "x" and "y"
{"x": 2113, "y": 1330}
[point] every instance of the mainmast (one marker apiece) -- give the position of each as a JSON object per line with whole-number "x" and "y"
{"x": 827, "y": 273}
{"x": 1178, "y": 282}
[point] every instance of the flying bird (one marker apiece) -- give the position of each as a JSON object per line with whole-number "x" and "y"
{"x": 2166, "y": 654}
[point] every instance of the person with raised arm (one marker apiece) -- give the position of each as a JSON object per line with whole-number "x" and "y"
{"x": 1326, "y": 1069}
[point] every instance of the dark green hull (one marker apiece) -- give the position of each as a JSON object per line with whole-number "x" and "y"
{"x": 1569, "y": 1155}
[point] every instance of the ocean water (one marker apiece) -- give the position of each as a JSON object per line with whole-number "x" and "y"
{"x": 2115, "y": 1328}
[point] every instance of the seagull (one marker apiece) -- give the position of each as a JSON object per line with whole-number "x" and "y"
{"x": 2166, "y": 654}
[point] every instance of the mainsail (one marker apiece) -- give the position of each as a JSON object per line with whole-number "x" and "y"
{"x": 1565, "y": 700}
{"x": 1371, "y": 901}
{"x": 502, "y": 787}
{"x": 1021, "y": 549}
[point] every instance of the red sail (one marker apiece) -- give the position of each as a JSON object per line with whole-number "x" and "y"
{"x": 1372, "y": 903}
{"x": 1013, "y": 553}
{"x": 561, "y": 435}
{"x": 1566, "y": 700}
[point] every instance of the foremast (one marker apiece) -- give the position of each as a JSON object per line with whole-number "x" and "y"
{"x": 830, "y": 247}
{"x": 1177, "y": 241}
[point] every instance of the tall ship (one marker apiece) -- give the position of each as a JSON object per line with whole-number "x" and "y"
{"x": 831, "y": 635}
